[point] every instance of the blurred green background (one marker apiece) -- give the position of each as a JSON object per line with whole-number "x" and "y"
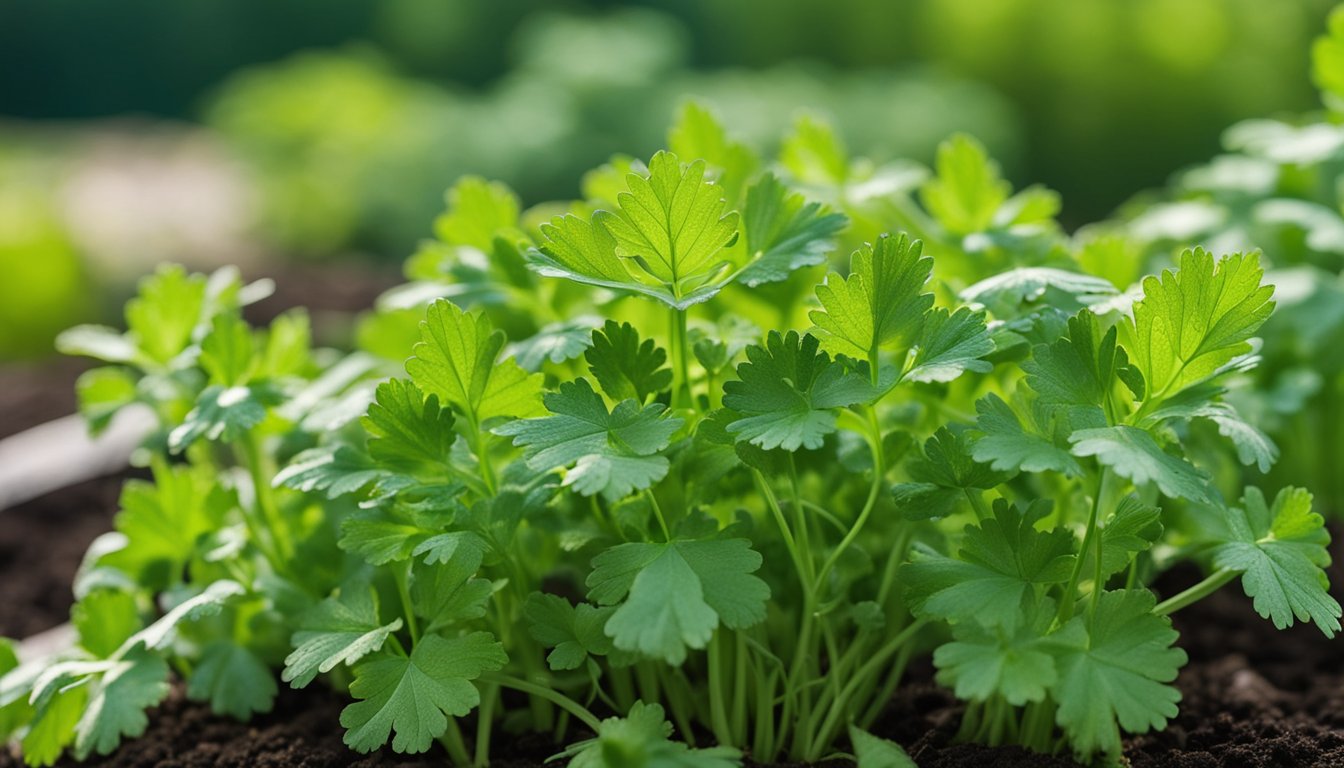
{"x": 271, "y": 131}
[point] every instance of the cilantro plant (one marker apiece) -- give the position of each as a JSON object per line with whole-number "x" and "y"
{"x": 687, "y": 470}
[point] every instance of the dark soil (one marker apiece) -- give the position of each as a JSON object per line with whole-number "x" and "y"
{"x": 41, "y": 545}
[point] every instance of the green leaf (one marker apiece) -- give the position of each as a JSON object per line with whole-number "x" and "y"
{"x": 575, "y": 632}
{"x": 338, "y": 631}
{"x": 814, "y": 154}
{"x": 394, "y": 532}
{"x": 967, "y": 190}
{"x": 99, "y": 342}
{"x": 163, "y": 521}
{"x": 222, "y": 414}
{"x": 458, "y": 360}
{"x": 787, "y": 393}
{"x": 673, "y": 596}
{"x": 162, "y": 317}
{"x": 409, "y": 430}
{"x": 233, "y": 680}
{"x": 118, "y": 693}
{"x": 1191, "y": 323}
{"x": 666, "y": 239}
{"x": 478, "y": 212}
{"x": 55, "y": 717}
{"x": 1132, "y": 528}
{"x": 446, "y": 594}
{"x": 102, "y": 393}
{"x": 983, "y": 662}
{"x": 407, "y": 697}
{"x": 873, "y": 752}
{"x": 1076, "y": 373}
{"x": 613, "y": 453}
{"x": 881, "y": 304}
{"x": 950, "y": 344}
{"x": 1008, "y": 446}
{"x": 697, "y": 133}
{"x": 337, "y": 470}
{"x": 209, "y": 602}
{"x": 784, "y": 232}
{"x": 1119, "y": 673}
{"x": 557, "y": 342}
{"x": 105, "y": 619}
{"x": 1133, "y": 453}
{"x": 641, "y": 738}
{"x": 997, "y": 572}
{"x": 1006, "y": 291}
{"x": 1253, "y": 446}
{"x": 625, "y": 367}
{"x": 288, "y": 347}
{"x": 947, "y": 462}
{"x": 1281, "y": 553}
{"x": 228, "y": 353}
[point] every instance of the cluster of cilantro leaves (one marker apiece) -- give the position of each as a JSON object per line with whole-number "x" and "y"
{"x": 710, "y": 454}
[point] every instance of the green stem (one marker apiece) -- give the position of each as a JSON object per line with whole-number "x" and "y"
{"x": 485, "y": 719}
{"x": 738, "y": 724}
{"x": 658, "y": 513}
{"x": 718, "y": 713}
{"x": 402, "y": 577}
{"x": 681, "y": 366}
{"x": 879, "y": 468}
{"x": 1194, "y": 594}
{"x": 1070, "y": 596}
{"x": 453, "y": 742}
{"x": 982, "y": 512}
{"x": 865, "y": 673}
{"x": 281, "y": 538}
{"x": 555, "y": 697}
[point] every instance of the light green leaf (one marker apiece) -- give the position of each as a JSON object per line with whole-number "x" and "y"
{"x": 99, "y": 342}
{"x": 697, "y": 133}
{"x": 409, "y": 431}
{"x": 337, "y": 470}
{"x": 104, "y": 619}
{"x": 873, "y": 752}
{"x": 967, "y": 190}
{"x": 881, "y": 304}
{"x": 164, "y": 313}
{"x": 814, "y": 154}
{"x": 408, "y": 698}
{"x": 787, "y": 393}
{"x": 613, "y": 453}
{"x": 1133, "y": 453}
{"x": 209, "y": 602}
{"x": 228, "y": 353}
{"x": 458, "y": 360}
{"x": 1281, "y": 553}
{"x": 673, "y": 596}
{"x": 222, "y": 414}
{"x": 557, "y": 342}
{"x": 478, "y": 212}
{"x": 641, "y": 738}
{"x": 1193, "y": 322}
{"x": 102, "y": 393}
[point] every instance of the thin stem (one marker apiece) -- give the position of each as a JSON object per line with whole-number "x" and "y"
{"x": 867, "y": 671}
{"x": 718, "y": 714}
{"x": 485, "y": 721}
{"x": 1196, "y": 593}
{"x": 555, "y": 697}
{"x": 1071, "y": 591}
{"x": 265, "y": 497}
{"x": 879, "y": 468}
{"x": 453, "y": 742}
{"x": 681, "y": 366}
{"x": 402, "y": 577}
{"x": 738, "y": 724}
{"x": 658, "y": 513}
{"x": 982, "y": 512}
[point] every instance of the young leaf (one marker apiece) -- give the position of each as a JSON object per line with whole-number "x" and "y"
{"x": 409, "y": 697}
{"x": 222, "y": 414}
{"x": 163, "y": 520}
{"x": 102, "y": 393}
{"x": 339, "y": 630}
{"x": 337, "y": 470}
{"x": 784, "y": 232}
{"x": 613, "y": 453}
{"x": 997, "y": 572}
{"x": 1281, "y": 553}
{"x": 698, "y": 134}
{"x": 641, "y": 738}
{"x": 1133, "y": 453}
{"x": 573, "y": 631}
{"x": 673, "y": 596}
{"x": 1017, "y": 664}
{"x": 162, "y": 317}
{"x": 1076, "y": 373}
{"x": 880, "y": 305}
{"x": 233, "y": 680}
{"x": 1191, "y": 323}
{"x": 393, "y": 532}
{"x": 942, "y": 474}
{"x": 117, "y": 702}
{"x": 787, "y": 393}
{"x": 625, "y": 367}
{"x": 557, "y": 342}
{"x": 873, "y": 752}
{"x": 228, "y": 352}
{"x": 1120, "y": 673}
{"x": 478, "y": 212}
{"x": 457, "y": 359}
{"x": 968, "y": 190}
{"x": 1132, "y": 528}
{"x": 665, "y": 239}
